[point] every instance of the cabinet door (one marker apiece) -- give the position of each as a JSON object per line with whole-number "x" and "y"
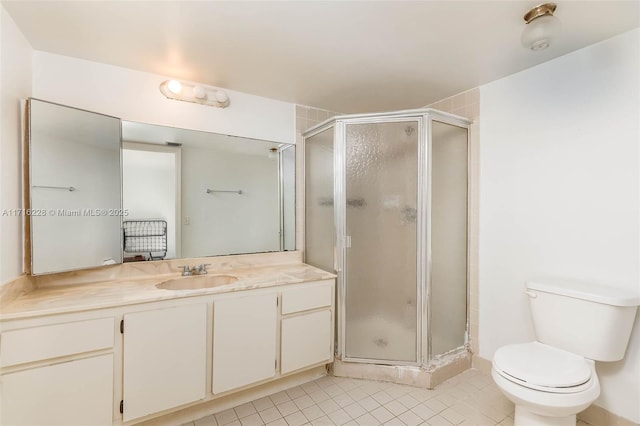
{"x": 306, "y": 340}
{"x": 244, "y": 340}
{"x": 71, "y": 393}
{"x": 164, "y": 359}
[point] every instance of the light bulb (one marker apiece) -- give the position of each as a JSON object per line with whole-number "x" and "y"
{"x": 199, "y": 92}
{"x": 174, "y": 86}
{"x": 221, "y": 96}
{"x": 539, "y": 33}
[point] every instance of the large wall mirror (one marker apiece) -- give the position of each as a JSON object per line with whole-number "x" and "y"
{"x": 218, "y": 194}
{"x": 74, "y": 197}
{"x": 184, "y": 193}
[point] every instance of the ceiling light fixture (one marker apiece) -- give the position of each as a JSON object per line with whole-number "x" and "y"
{"x": 196, "y": 93}
{"x": 541, "y": 27}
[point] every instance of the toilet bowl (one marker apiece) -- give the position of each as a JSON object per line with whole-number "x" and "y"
{"x": 552, "y": 379}
{"x": 549, "y": 386}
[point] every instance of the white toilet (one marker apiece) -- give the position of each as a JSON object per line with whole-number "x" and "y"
{"x": 554, "y": 378}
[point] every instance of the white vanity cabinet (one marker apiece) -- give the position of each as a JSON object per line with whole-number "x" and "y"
{"x": 244, "y": 340}
{"x": 60, "y": 374}
{"x": 164, "y": 359}
{"x": 307, "y": 324}
{"x": 122, "y": 365}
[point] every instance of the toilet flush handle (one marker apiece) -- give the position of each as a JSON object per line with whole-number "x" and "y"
{"x": 531, "y": 294}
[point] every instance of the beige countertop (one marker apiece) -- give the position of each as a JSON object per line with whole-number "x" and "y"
{"x": 108, "y": 294}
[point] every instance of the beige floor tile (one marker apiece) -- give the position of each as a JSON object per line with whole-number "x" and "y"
{"x": 382, "y": 397}
{"x": 339, "y": 417}
{"x": 319, "y": 396}
{"x": 343, "y": 400}
{"x": 287, "y": 408}
{"x": 226, "y": 417}
{"x": 333, "y": 390}
{"x": 452, "y": 416}
{"x": 295, "y": 392}
{"x": 438, "y": 421}
{"x": 434, "y": 405}
{"x": 355, "y": 410}
{"x": 395, "y": 408}
{"x": 270, "y": 414}
{"x": 328, "y": 406}
{"x": 470, "y": 398}
{"x": 245, "y": 410}
{"x": 296, "y": 419}
{"x": 304, "y": 402}
{"x": 369, "y": 403}
{"x": 357, "y": 394}
{"x": 382, "y": 414}
{"x": 279, "y": 398}
{"x": 409, "y": 418}
{"x": 252, "y": 420}
{"x": 310, "y": 387}
{"x": 263, "y": 403}
{"x": 367, "y": 420}
{"x": 322, "y": 421}
{"x": 279, "y": 422}
{"x": 313, "y": 412}
{"x": 423, "y": 411}
{"x": 408, "y": 401}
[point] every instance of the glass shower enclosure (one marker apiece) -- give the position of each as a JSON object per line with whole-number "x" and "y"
{"x": 386, "y": 210}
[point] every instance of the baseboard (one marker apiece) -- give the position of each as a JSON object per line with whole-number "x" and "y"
{"x": 481, "y": 364}
{"x": 598, "y": 416}
{"x": 594, "y": 415}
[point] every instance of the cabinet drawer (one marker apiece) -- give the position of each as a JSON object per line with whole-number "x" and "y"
{"x": 311, "y": 296}
{"x": 76, "y": 393}
{"x": 40, "y": 343}
{"x": 306, "y": 340}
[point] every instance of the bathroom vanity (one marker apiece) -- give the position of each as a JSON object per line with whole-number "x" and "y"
{"x": 125, "y": 351}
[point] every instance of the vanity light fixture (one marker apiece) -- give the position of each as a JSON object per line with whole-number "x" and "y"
{"x": 541, "y": 27}
{"x": 196, "y": 93}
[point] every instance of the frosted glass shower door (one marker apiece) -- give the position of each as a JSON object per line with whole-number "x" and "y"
{"x": 319, "y": 216}
{"x": 381, "y": 187}
{"x": 448, "y": 297}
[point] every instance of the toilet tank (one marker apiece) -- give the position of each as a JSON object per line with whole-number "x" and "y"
{"x": 591, "y": 320}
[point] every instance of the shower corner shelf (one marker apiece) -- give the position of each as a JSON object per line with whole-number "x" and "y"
{"x": 147, "y": 236}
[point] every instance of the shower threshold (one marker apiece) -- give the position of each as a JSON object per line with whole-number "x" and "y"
{"x": 441, "y": 368}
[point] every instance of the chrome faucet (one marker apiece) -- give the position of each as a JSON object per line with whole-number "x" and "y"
{"x": 201, "y": 269}
{"x": 187, "y": 270}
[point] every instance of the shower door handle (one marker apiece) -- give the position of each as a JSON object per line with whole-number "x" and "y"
{"x": 347, "y": 241}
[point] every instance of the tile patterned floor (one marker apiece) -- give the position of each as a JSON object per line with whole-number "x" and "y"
{"x": 470, "y": 398}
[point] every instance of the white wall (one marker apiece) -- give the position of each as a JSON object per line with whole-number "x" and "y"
{"x": 134, "y": 95}
{"x": 559, "y": 189}
{"x": 15, "y": 78}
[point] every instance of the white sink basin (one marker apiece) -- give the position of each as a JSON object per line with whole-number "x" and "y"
{"x": 197, "y": 282}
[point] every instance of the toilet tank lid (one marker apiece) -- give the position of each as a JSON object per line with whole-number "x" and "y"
{"x": 587, "y": 291}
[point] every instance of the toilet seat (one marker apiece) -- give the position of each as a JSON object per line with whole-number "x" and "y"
{"x": 541, "y": 367}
